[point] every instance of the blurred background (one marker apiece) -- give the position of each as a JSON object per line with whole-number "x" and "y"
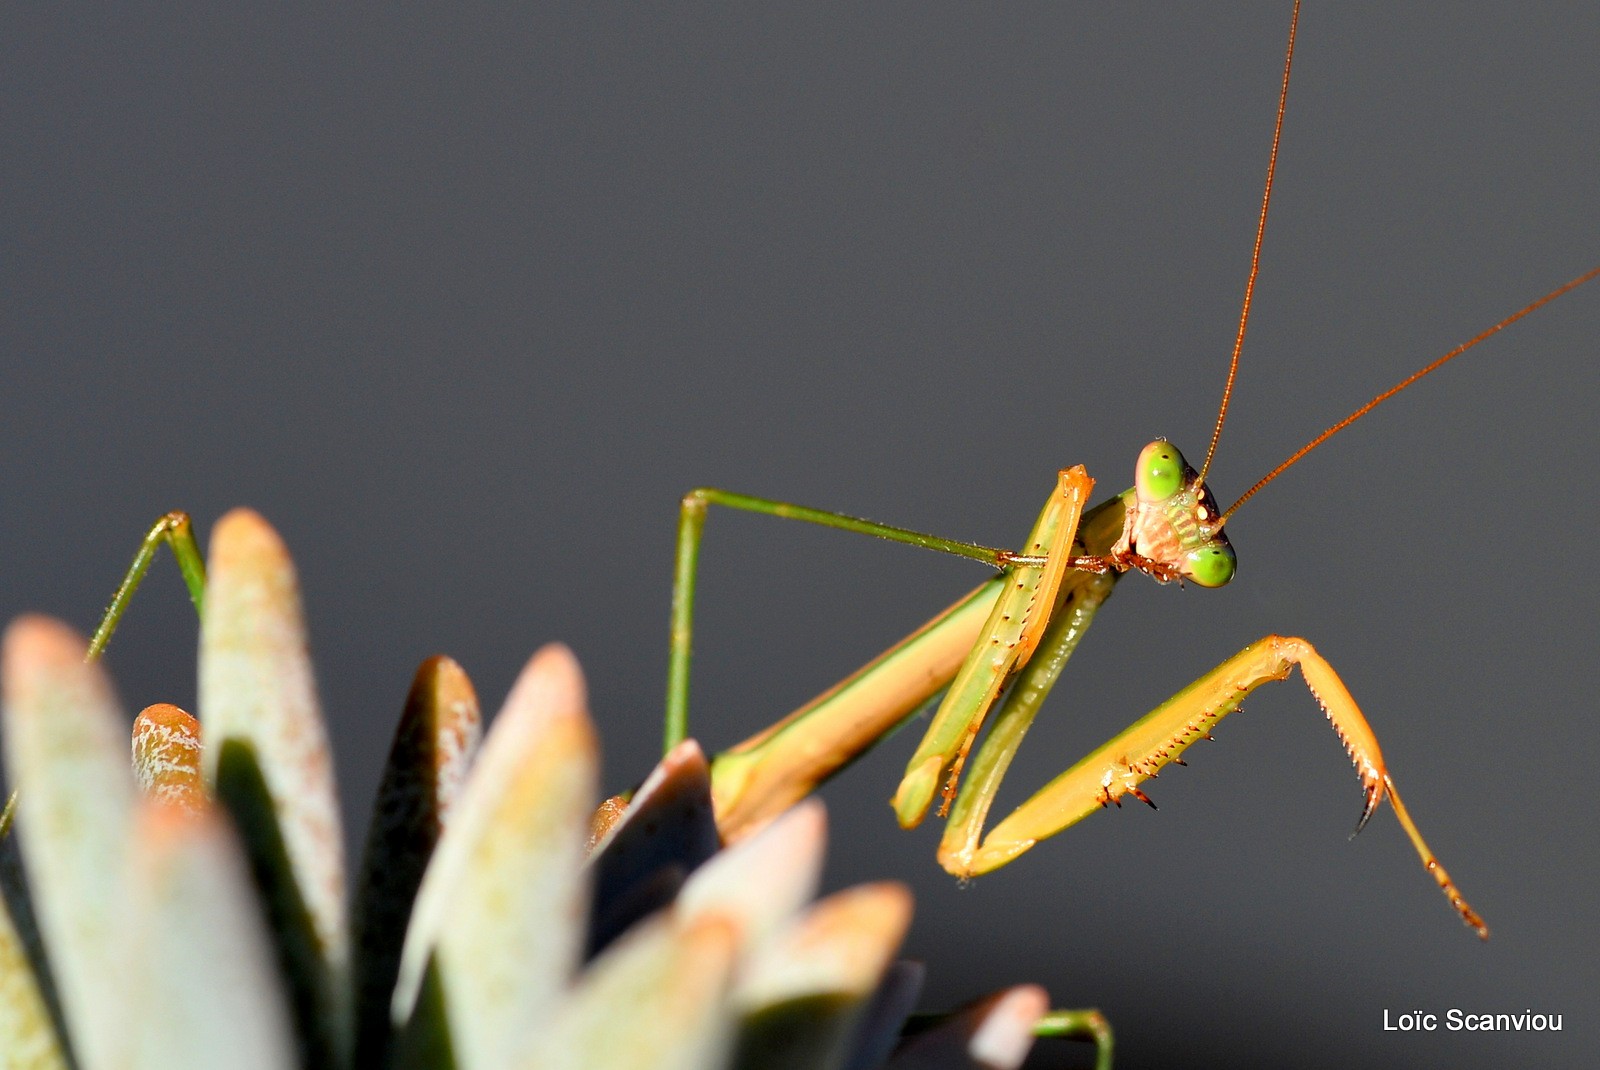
{"x": 463, "y": 299}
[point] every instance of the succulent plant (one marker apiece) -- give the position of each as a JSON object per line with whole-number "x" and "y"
{"x": 190, "y": 910}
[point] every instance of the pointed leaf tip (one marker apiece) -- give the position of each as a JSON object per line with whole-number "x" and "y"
{"x": 804, "y": 993}
{"x": 681, "y": 779}
{"x": 61, "y": 715}
{"x": 457, "y": 724}
{"x": 666, "y": 832}
{"x": 656, "y": 997}
{"x": 53, "y": 699}
{"x": 762, "y": 881}
{"x": 34, "y": 639}
{"x": 434, "y": 746}
{"x": 1006, "y": 1034}
{"x": 843, "y": 942}
{"x": 995, "y": 1033}
{"x": 243, "y": 532}
{"x": 550, "y": 685}
{"x": 40, "y": 654}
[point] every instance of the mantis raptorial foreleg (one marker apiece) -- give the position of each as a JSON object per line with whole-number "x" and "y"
{"x": 1119, "y": 766}
{"x": 1022, "y": 608}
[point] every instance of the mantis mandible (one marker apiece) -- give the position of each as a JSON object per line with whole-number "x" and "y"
{"x": 996, "y": 653}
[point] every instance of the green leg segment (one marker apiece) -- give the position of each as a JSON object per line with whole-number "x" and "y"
{"x": 1087, "y": 1024}
{"x": 175, "y": 530}
{"x": 691, "y": 524}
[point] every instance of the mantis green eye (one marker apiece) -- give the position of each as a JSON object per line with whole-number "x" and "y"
{"x": 1210, "y": 566}
{"x": 1159, "y": 474}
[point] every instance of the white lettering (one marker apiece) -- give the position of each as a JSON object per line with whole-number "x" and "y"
{"x": 1457, "y": 1019}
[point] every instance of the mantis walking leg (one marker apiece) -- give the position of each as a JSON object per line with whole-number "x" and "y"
{"x": 691, "y": 525}
{"x": 177, "y": 532}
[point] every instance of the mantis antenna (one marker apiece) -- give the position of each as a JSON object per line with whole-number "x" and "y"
{"x": 1401, "y": 385}
{"x": 1255, "y": 252}
{"x": 1249, "y": 296}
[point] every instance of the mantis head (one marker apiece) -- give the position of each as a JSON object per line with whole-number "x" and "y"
{"x": 1172, "y": 519}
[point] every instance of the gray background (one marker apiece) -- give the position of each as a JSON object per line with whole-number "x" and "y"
{"x": 463, "y": 299}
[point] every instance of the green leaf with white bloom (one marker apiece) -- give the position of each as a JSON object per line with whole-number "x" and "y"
{"x": 27, "y": 968}
{"x": 440, "y": 730}
{"x": 665, "y": 832}
{"x": 266, "y": 756}
{"x": 66, "y": 754}
{"x": 897, "y": 994}
{"x": 803, "y": 993}
{"x": 314, "y": 996}
{"x": 27, "y": 1036}
{"x": 656, "y": 997}
{"x": 256, "y": 685}
{"x": 762, "y": 881}
{"x": 502, "y": 907}
{"x": 423, "y": 1042}
{"x": 206, "y": 987}
{"x": 995, "y": 1033}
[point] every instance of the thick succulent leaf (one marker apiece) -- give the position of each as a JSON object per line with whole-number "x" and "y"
{"x": 761, "y": 882}
{"x": 435, "y": 744}
{"x": 316, "y": 999}
{"x": 502, "y": 907}
{"x": 166, "y": 756}
{"x": 891, "y": 1004}
{"x": 27, "y": 1036}
{"x": 205, "y": 987}
{"x": 665, "y": 833}
{"x": 803, "y": 993}
{"x": 17, "y": 903}
{"x": 256, "y": 688}
{"x": 65, "y": 754}
{"x": 995, "y": 1033}
{"x": 424, "y": 1043}
{"x": 655, "y": 998}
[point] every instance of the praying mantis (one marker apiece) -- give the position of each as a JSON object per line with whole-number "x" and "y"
{"x": 1012, "y": 636}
